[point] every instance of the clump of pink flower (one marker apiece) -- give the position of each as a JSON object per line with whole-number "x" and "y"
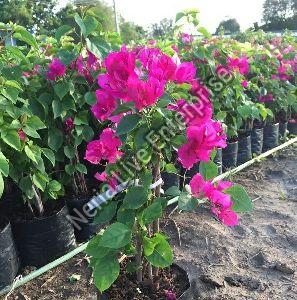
{"x": 266, "y": 98}
{"x": 240, "y": 64}
{"x": 55, "y": 69}
{"x": 221, "y": 203}
{"x": 105, "y": 148}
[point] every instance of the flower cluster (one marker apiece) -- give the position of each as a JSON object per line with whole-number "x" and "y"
{"x": 56, "y": 69}
{"x": 239, "y": 64}
{"x": 221, "y": 203}
{"x": 106, "y": 148}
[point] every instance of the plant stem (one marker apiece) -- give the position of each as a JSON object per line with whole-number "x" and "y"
{"x": 157, "y": 192}
{"x": 139, "y": 273}
{"x": 38, "y": 201}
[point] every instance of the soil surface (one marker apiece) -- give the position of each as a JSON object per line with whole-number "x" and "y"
{"x": 256, "y": 260}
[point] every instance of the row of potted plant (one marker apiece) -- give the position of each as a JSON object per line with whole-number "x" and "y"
{"x": 81, "y": 115}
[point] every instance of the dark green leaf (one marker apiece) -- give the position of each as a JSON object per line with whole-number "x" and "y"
{"x": 151, "y": 213}
{"x": 135, "y": 197}
{"x": 127, "y": 124}
{"x": 208, "y": 170}
{"x": 105, "y": 213}
{"x": 61, "y": 31}
{"x": 187, "y": 202}
{"x": 240, "y": 198}
{"x": 116, "y": 236}
{"x": 4, "y": 165}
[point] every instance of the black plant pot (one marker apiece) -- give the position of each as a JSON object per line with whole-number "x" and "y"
{"x": 43, "y": 240}
{"x": 230, "y": 155}
{"x": 82, "y": 220}
{"x": 9, "y": 260}
{"x": 257, "y": 140}
{"x": 169, "y": 180}
{"x": 218, "y": 160}
{"x": 292, "y": 128}
{"x": 283, "y": 130}
{"x": 244, "y": 153}
{"x": 271, "y": 136}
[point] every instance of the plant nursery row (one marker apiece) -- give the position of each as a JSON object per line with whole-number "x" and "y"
{"x": 82, "y": 114}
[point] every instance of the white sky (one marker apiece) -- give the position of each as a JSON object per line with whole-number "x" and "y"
{"x": 145, "y": 12}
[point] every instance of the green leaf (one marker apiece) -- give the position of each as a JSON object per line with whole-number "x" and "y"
{"x": 122, "y": 108}
{"x": 162, "y": 255}
{"x": 126, "y": 216}
{"x": 106, "y": 272}
{"x": 54, "y": 186}
{"x": 70, "y": 169}
{"x": 105, "y": 213}
{"x": 179, "y": 16}
{"x": 146, "y": 178}
{"x": 61, "y": 31}
{"x": 170, "y": 168}
{"x": 40, "y": 180}
{"x": 127, "y": 124}
{"x": 69, "y": 151}
{"x": 240, "y": 198}
{"x": 140, "y": 137}
{"x": 81, "y": 168}
{"x": 135, "y": 197}
{"x": 90, "y": 98}
{"x": 93, "y": 48}
{"x": 116, "y": 236}
{"x": 31, "y": 132}
{"x": 81, "y": 118}
{"x": 25, "y": 185}
{"x": 187, "y": 202}
{"x": 57, "y": 108}
{"x": 208, "y": 170}
{"x": 34, "y": 122}
{"x": 30, "y": 154}
{"x": 4, "y": 165}
{"x": 61, "y": 89}
{"x": 152, "y": 213}
{"x": 23, "y": 35}
{"x": 11, "y": 138}
{"x": 80, "y": 23}
{"x": 1, "y": 185}
{"x": 90, "y": 25}
{"x": 173, "y": 191}
{"x": 55, "y": 138}
{"x": 49, "y": 154}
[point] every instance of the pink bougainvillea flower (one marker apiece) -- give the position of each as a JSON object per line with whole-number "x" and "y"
{"x": 266, "y": 98}
{"x": 201, "y": 140}
{"x": 185, "y": 72}
{"x": 56, "y": 69}
{"x": 144, "y": 93}
{"x": 187, "y": 38}
{"x": 92, "y": 61}
{"x": 69, "y": 124}
{"x": 120, "y": 66}
{"x": 170, "y": 295}
{"x": 239, "y": 63}
{"x": 162, "y": 67}
{"x": 22, "y": 135}
{"x": 223, "y": 185}
{"x": 244, "y": 84}
{"x": 193, "y": 114}
{"x": 221, "y": 204}
{"x": 106, "y": 148}
{"x": 105, "y": 106}
{"x": 197, "y": 185}
{"x": 103, "y": 177}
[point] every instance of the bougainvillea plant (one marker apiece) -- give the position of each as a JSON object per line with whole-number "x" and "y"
{"x": 47, "y": 85}
{"x": 147, "y": 123}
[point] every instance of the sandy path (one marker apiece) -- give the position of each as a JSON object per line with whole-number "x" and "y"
{"x": 256, "y": 260}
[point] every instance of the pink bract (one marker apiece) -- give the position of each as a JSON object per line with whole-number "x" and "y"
{"x": 56, "y": 69}
{"x": 105, "y": 106}
{"x": 106, "y": 148}
{"x": 185, "y": 72}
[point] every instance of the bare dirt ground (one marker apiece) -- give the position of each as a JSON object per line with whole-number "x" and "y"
{"x": 256, "y": 260}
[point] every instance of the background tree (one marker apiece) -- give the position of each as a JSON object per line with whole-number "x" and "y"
{"x": 35, "y": 15}
{"x": 280, "y": 14}
{"x": 228, "y": 26}
{"x": 163, "y": 28}
{"x": 131, "y": 32}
